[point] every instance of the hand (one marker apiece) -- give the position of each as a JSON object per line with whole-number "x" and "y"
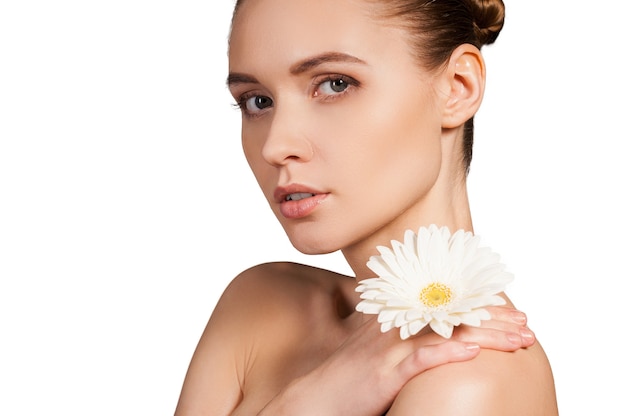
{"x": 366, "y": 373}
{"x": 505, "y": 331}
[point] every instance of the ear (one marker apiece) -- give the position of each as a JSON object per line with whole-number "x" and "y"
{"x": 466, "y": 75}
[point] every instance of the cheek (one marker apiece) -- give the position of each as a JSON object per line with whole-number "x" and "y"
{"x": 394, "y": 139}
{"x": 251, "y": 149}
{"x": 252, "y": 140}
{"x": 393, "y": 151}
{"x": 252, "y": 135}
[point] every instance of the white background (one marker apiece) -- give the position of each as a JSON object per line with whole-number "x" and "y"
{"x": 126, "y": 205}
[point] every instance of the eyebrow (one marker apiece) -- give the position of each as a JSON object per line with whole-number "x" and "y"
{"x": 235, "y": 78}
{"x": 300, "y": 67}
{"x": 328, "y": 57}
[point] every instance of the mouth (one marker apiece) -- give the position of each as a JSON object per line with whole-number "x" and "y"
{"x": 298, "y": 201}
{"x": 298, "y": 196}
{"x": 294, "y": 193}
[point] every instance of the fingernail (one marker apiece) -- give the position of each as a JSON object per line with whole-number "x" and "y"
{"x": 519, "y": 318}
{"x": 527, "y": 335}
{"x": 514, "y": 338}
{"x": 472, "y": 347}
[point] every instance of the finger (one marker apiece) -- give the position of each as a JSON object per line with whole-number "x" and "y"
{"x": 430, "y": 356}
{"x": 508, "y": 319}
{"x": 524, "y": 333}
{"x": 517, "y": 334}
{"x": 507, "y": 314}
{"x": 496, "y": 339}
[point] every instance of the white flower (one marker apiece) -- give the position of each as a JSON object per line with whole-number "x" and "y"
{"x": 433, "y": 279}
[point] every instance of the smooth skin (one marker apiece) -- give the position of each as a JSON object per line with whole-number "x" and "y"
{"x": 346, "y": 113}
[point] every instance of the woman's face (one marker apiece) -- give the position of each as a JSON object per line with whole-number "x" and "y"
{"x": 340, "y": 126}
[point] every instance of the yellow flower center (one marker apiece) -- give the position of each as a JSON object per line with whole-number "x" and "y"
{"x": 435, "y": 295}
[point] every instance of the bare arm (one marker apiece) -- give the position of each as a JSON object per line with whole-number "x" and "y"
{"x": 211, "y": 385}
{"x": 361, "y": 377}
{"x": 364, "y": 375}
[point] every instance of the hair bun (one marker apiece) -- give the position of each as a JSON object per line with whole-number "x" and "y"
{"x": 488, "y": 19}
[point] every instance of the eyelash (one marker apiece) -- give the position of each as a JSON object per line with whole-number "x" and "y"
{"x": 241, "y": 104}
{"x": 351, "y": 84}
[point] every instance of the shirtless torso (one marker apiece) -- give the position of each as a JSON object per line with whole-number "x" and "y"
{"x": 277, "y": 322}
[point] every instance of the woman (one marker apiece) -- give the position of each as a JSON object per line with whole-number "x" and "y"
{"x": 357, "y": 123}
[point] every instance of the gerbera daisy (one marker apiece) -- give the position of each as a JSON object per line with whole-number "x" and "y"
{"x": 433, "y": 278}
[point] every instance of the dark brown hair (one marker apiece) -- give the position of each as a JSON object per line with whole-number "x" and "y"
{"x": 437, "y": 27}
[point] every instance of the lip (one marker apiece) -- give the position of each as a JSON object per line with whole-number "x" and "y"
{"x": 295, "y": 209}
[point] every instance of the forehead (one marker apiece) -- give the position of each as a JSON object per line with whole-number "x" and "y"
{"x": 285, "y": 31}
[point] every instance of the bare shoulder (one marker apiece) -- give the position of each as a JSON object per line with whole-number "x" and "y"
{"x": 283, "y": 302}
{"x": 270, "y": 297}
{"x": 264, "y": 303}
{"x": 278, "y": 278}
{"x": 271, "y": 288}
{"x": 494, "y": 383}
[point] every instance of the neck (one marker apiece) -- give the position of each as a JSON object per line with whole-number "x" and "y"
{"x": 455, "y": 216}
{"x": 446, "y": 204}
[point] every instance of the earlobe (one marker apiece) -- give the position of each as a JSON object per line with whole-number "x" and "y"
{"x": 466, "y": 74}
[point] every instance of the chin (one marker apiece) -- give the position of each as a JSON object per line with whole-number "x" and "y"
{"x": 313, "y": 246}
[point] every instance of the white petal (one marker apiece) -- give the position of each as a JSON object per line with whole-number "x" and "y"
{"x": 386, "y": 326}
{"x": 415, "y": 313}
{"x": 389, "y": 257}
{"x": 387, "y": 315}
{"x": 410, "y": 240}
{"x": 416, "y": 326}
{"x": 400, "y": 319}
{"x": 369, "y": 294}
{"x": 379, "y": 266}
{"x": 474, "y": 318}
{"x": 384, "y": 271}
{"x": 368, "y": 307}
{"x": 400, "y": 303}
{"x": 442, "y": 328}
{"x": 404, "y": 332}
{"x": 474, "y": 274}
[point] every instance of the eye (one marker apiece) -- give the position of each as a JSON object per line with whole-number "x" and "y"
{"x": 333, "y": 86}
{"x": 253, "y": 105}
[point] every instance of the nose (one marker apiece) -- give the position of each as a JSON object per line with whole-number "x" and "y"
{"x": 286, "y": 138}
